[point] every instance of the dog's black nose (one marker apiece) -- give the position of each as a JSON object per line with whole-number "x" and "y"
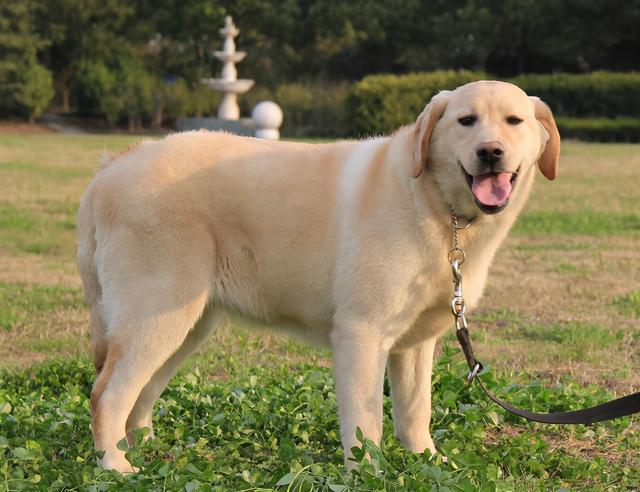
{"x": 490, "y": 152}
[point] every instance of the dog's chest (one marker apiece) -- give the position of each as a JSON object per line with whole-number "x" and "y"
{"x": 434, "y": 288}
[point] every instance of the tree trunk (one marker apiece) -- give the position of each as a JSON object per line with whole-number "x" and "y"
{"x": 158, "y": 114}
{"x": 65, "y": 90}
{"x": 65, "y": 99}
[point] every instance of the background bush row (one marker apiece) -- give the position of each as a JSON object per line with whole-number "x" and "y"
{"x": 599, "y": 106}
{"x": 600, "y": 129}
{"x": 594, "y": 106}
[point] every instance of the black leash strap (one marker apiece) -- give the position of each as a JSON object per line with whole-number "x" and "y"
{"x": 620, "y": 407}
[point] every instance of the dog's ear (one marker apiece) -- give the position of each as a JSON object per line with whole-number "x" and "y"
{"x": 548, "y": 162}
{"x": 424, "y": 127}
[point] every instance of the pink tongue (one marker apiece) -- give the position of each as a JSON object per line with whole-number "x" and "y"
{"x": 492, "y": 189}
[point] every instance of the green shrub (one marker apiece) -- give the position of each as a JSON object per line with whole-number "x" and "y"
{"x": 95, "y": 84}
{"x": 381, "y": 103}
{"x": 202, "y": 101}
{"x": 128, "y": 90}
{"x": 600, "y": 129}
{"x": 36, "y": 89}
{"x": 176, "y": 99}
{"x": 310, "y": 109}
{"x": 596, "y": 94}
{"x": 26, "y": 87}
{"x": 135, "y": 86}
{"x": 610, "y": 101}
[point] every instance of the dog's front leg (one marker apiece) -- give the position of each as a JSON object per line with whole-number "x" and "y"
{"x": 410, "y": 379}
{"x": 359, "y": 358}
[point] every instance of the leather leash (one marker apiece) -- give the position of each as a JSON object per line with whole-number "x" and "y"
{"x": 619, "y": 407}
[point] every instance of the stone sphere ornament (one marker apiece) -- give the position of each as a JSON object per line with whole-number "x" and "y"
{"x": 267, "y": 117}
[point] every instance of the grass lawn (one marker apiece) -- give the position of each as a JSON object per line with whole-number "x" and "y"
{"x": 559, "y": 326}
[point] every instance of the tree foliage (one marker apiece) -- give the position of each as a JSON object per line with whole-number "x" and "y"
{"x": 147, "y": 57}
{"x": 25, "y": 85}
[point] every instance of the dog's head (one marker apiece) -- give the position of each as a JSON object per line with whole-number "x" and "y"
{"x": 480, "y": 138}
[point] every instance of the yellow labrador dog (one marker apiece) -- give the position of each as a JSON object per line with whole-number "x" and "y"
{"x": 343, "y": 243}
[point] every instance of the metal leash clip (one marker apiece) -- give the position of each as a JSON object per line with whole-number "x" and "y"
{"x": 474, "y": 372}
{"x": 456, "y": 257}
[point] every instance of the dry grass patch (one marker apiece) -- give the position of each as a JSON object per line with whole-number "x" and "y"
{"x": 61, "y": 333}
{"x": 596, "y": 177}
{"x": 41, "y": 320}
{"x": 35, "y": 269}
{"x": 578, "y": 281}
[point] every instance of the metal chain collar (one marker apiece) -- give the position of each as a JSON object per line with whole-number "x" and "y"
{"x": 457, "y": 257}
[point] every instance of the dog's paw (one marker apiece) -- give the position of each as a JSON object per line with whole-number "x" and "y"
{"x": 118, "y": 463}
{"x": 418, "y": 443}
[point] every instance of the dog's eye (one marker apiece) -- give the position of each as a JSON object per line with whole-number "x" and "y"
{"x": 467, "y": 120}
{"x": 514, "y": 120}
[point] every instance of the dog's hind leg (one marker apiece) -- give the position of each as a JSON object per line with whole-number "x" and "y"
{"x": 150, "y": 300}
{"x": 137, "y": 349}
{"x": 140, "y": 415}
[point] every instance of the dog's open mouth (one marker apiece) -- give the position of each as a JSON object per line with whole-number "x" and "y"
{"x": 492, "y": 190}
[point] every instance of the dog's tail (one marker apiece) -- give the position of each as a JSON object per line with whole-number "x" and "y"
{"x": 86, "y": 260}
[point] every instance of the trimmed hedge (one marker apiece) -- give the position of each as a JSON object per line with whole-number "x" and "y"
{"x": 310, "y": 109}
{"x": 596, "y": 94}
{"x": 600, "y": 129}
{"x": 381, "y": 103}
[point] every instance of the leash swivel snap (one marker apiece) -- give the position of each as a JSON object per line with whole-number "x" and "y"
{"x": 474, "y": 372}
